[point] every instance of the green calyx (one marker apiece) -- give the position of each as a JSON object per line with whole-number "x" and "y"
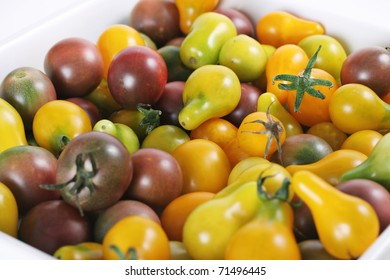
{"x": 151, "y": 118}
{"x": 303, "y": 83}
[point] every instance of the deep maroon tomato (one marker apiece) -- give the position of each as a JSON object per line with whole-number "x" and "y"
{"x": 372, "y": 192}
{"x": 304, "y": 227}
{"x": 241, "y": 20}
{"x": 137, "y": 74}
{"x": 248, "y": 104}
{"x": 27, "y": 89}
{"x": 123, "y": 208}
{"x": 159, "y": 20}
{"x": 75, "y": 66}
{"x": 23, "y": 169}
{"x": 368, "y": 66}
{"x": 53, "y": 224}
{"x": 89, "y": 107}
{"x": 157, "y": 177}
{"x": 96, "y": 166}
{"x": 171, "y": 102}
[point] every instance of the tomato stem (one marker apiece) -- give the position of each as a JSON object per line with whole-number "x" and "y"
{"x": 151, "y": 118}
{"x": 302, "y": 83}
{"x": 82, "y": 179}
{"x": 131, "y": 253}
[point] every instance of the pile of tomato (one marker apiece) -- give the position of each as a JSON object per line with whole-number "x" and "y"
{"x": 195, "y": 132}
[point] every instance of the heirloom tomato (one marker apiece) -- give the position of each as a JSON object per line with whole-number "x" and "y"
{"x": 57, "y": 122}
{"x": 9, "y": 213}
{"x": 81, "y": 251}
{"x": 363, "y": 141}
{"x": 85, "y": 171}
{"x": 136, "y": 237}
{"x": 330, "y": 133}
{"x": 204, "y": 164}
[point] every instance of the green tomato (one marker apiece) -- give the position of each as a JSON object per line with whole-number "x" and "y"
{"x": 245, "y": 56}
{"x": 332, "y": 54}
{"x": 166, "y": 138}
{"x": 121, "y": 131}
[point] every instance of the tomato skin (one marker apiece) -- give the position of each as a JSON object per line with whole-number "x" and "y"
{"x": 17, "y": 164}
{"x": 9, "y": 213}
{"x": 204, "y": 164}
{"x": 12, "y": 127}
{"x": 81, "y": 251}
{"x": 62, "y": 225}
{"x": 330, "y": 133}
{"x": 58, "y": 119}
{"x": 110, "y": 156}
{"x": 363, "y": 141}
{"x": 145, "y": 236}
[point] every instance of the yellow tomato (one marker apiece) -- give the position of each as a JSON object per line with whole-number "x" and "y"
{"x": 8, "y": 211}
{"x": 363, "y": 141}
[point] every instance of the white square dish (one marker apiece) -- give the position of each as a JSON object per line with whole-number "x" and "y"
{"x": 356, "y": 24}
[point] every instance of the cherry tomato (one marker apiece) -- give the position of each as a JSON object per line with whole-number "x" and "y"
{"x": 204, "y": 164}
{"x": 136, "y": 237}
{"x": 8, "y": 211}
{"x": 330, "y": 133}
{"x": 57, "y": 122}
{"x": 363, "y": 141}
{"x": 176, "y": 212}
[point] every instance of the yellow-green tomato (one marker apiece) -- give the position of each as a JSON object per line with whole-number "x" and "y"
{"x": 121, "y": 131}
{"x": 165, "y": 137}
{"x": 245, "y": 56}
{"x": 207, "y": 35}
{"x": 332, "y": 54}
{"x": 211, "y": 91}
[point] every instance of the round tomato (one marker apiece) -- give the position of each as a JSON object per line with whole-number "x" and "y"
{"x": 363, "y": 141}
{"x": 261, "y": 134}
{"x": 204, "y": 164}
{"x": 136, "y": 237}
{"x": 57, "y": 122}
{"x": 176, "y": 212}
{"x": 330, "y": 133}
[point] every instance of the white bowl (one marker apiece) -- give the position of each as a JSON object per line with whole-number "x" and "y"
{"x": 41, "y": 23}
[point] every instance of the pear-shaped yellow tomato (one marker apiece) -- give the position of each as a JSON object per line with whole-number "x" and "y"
{"x": 211, "y": 91}
{"x": 245, "y": 56}
{"x": 11, "y": 128}
{"x": 8, "y": 211}
{"x": 57, "y": 122}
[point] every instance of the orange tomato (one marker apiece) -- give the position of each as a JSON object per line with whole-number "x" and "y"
{"x": 286, "y": 59}
{"x": 176, "y": 212}
{"x": 218, "y": 130}
{"x": 313, "y": 110}
{"x": 204, "y": 164}
{"x": 136, "y": 237}
{"x": 253, "y": 136}
{"x": 278, "y": 28}
{"x": 116, "y": 38}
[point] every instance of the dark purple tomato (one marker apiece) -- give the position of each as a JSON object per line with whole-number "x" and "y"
{"x": 123, "y": 208}
{"x": 303, "y": 148}
{"x": 99, "y": 165}
{"x": 372, "y": 192}
{"x": 243, "y": 23}
{"x": 23, "y": 169}
{"x": 159, "y": 20}
{"x": 171, "y": 102}
{"x": 53, "y": 224}
{"x": 157, "y": 178}
{"x": 304, "y": 227}
{"x": 75, "y": 66}
{"x": 248, "y": 104}
{"x": 369, "y": 66}
{"x": 27, "y": 89}
{"x": 313, "y": 249}
{"x": 89, "y": 107}
{"x": 137, "y": 74}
